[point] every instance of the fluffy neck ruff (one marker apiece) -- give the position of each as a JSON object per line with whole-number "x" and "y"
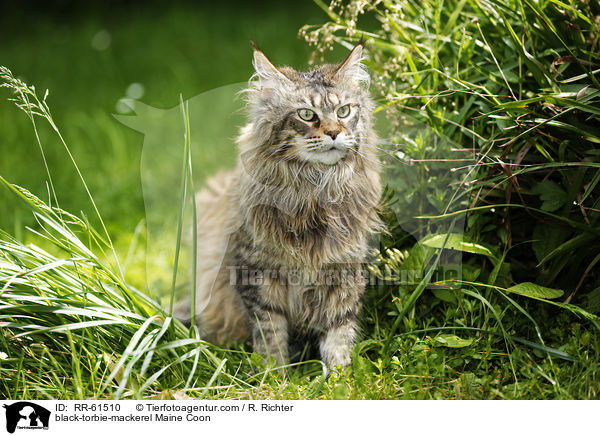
{"x": 308, "y": 214}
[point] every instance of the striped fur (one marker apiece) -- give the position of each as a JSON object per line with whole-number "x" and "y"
{"x": 282, "y": 239}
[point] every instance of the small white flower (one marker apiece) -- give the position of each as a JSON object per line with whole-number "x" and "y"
{"x": 3, "y": 355}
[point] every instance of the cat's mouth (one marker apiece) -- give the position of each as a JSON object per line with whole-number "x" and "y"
{"x": 329, "y": 155}
{"x": 321, "y": 152}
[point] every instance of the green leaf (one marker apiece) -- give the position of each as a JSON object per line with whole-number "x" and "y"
{"x": 452, "y": 341}
{"x": 593, "y": 301}
{"x": 445, "y": 295}
{"x": 547, "y": 238}
{"x": 553, "y": 196}
{"x": 582, "y": 240}
{"x": 471, "y": 272}
{"x": 590, "y": 187}
{"x": 458, "y": 242}
{"x": 415, "y": 261}
{"x": 532, "y": 290}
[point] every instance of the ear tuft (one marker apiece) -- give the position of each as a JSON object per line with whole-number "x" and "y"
{"x": 352, "y": 67}
{"x": 267, "y": 73}
{"x": 254, "y": 46}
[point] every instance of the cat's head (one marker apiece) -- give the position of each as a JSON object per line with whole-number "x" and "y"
{"x": 320, "y": 117}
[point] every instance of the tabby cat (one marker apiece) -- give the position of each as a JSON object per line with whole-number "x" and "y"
{"x": 282, "y": 239}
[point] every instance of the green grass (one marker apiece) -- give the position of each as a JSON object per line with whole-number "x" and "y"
{"x": 184, "y": 49}
{"x": 75, "y": 322}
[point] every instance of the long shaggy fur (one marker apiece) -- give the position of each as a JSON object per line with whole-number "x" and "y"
{"x": 282, "y": 239}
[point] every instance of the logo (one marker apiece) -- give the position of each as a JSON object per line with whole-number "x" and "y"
{"x": 26, "y": 415}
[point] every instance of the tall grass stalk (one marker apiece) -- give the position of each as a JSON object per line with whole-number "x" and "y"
{"x": 71, "y": 317}
{"x": 25, "y": 98}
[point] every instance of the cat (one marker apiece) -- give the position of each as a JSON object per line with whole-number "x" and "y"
{"x": 282, "y": 238}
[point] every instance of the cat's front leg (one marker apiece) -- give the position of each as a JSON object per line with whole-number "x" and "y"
{"x": 270, "y": 335}
{"x": 336, "y": 344}
{"x": 340, "y": 315}
{"x": 262, "y": 298}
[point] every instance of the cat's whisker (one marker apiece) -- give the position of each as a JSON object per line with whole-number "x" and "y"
{"x": 285, "y": 158}
{"x": 379, "y": 138}
{"x": 299, "y": 169}
{"x": 384, "y": 151}
{"x": 387, "y": 153}
{"x": 277, "y": 150}
{"x": 379, "y": 141}
{"x": 368, "y": 144}
{"x": 314, "y": 145}
{"x": 355, "y": 150}
{"x": 373, "y": 161}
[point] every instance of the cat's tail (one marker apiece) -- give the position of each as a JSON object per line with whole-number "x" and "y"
{"x": 220, "y": 313}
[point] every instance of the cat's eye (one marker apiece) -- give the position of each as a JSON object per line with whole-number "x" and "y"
{"x": 307, "y": 114}
{"x": 343, "y": 111}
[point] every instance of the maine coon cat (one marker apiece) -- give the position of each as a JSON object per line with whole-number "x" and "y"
{"x": 282, "y": 239}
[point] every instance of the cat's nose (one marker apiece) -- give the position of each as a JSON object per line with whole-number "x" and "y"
{"x": 332, "y": 133}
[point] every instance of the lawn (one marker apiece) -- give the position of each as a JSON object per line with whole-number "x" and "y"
{"x": 85, "y": 286}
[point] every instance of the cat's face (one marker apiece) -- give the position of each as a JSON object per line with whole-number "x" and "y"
{"x": 320, "y": 117}
{"x": 321, "y": 128}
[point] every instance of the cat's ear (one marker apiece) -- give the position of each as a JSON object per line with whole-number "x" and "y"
{"x": 268, "y": 74}
{"x": 352, "y": 68}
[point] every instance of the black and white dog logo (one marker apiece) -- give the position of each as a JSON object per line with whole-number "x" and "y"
{"x": 26, "y": 415}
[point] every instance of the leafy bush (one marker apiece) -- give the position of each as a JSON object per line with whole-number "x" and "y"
{"x": 506, "y": 96}
{"x": 515, "y": 82}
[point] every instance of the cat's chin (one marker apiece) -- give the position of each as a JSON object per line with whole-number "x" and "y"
{"x": 330, "y": 157}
